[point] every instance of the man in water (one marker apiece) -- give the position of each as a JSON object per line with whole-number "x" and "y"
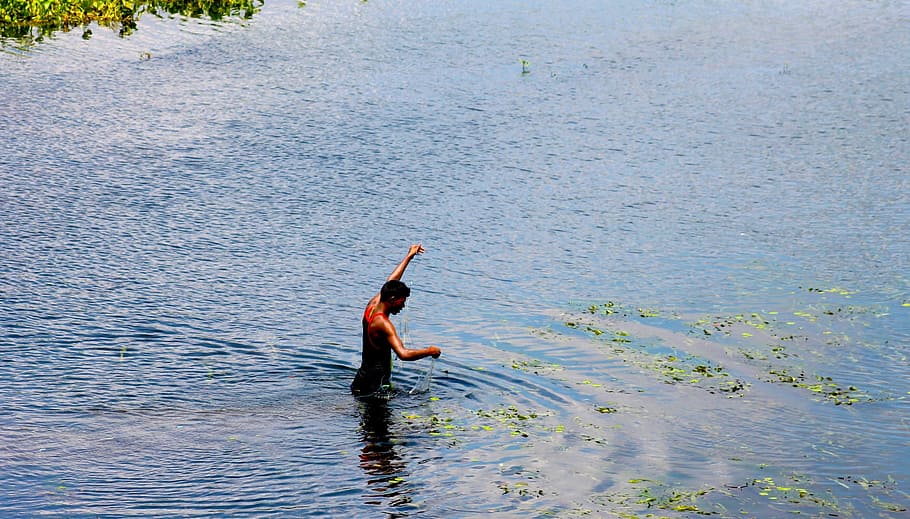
{"x": 380, "y": 338}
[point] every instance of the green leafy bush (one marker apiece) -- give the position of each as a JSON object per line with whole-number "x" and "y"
{"x": 38, "y": 18}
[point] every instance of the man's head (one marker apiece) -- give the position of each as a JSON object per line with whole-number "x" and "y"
{"x": 395, "y": 293}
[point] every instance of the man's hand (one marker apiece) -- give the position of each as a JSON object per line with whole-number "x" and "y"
{"x": 415, "y": 250}
{"x": 434, "y": 352}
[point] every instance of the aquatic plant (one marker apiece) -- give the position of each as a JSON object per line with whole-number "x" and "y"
{"x": 824, "y": 325}
{"x": 32, "y": 20}
{"x": 612, "y": 307}
{"x": 790, "y": 494}
{"x": 536, "y": 366}
{"x": 820, "y": 385}
{"x": 435, "y": 424}
{"x": 520, "y": 489}
{"x": 649, "y": 494}
{"x": 770, "y": 338}
{"x": 673, "y": 368}
{"x": 509, "y": 417}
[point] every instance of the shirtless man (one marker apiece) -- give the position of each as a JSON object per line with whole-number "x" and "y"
{"x": 379, "y": 336}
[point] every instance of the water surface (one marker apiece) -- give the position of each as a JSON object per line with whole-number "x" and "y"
{"x": 192, "y": 217}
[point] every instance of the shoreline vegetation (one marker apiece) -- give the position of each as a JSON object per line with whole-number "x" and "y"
{"x": 33, "y": 20}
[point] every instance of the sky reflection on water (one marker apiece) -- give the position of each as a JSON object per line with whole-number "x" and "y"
{"x": 189, "y": 236}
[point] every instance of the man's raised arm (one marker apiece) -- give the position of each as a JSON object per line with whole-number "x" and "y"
{"x": 399, "y": 270}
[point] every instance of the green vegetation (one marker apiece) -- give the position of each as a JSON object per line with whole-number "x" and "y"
{"x": 795, "y": 495}
{"x": 818, "y": 331}
{"x": 823, "y": 386}
{"x": 510, "y": 418}
{"x": 791, "y": 347}
{"x": 538, "y": 367}
{"x": 503, "y": 419}
{"x": 672, "y": 368}
{"x": 32, "y": 20}
{"x": 612, "y": 307}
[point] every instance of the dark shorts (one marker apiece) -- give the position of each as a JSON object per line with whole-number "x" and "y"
{"x": 371, "y": 383}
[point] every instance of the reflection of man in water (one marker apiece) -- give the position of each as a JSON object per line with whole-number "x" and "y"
{"x": 378, "y": 456}
{"x": 380, "y": 338}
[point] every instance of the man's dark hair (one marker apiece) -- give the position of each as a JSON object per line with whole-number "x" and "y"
{"x": 392, "y": 289}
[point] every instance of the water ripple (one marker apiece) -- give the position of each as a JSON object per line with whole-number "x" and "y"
{"x": 191, "y": 218}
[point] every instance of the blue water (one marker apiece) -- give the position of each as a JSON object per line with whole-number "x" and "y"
{"x": 192, "y": 218}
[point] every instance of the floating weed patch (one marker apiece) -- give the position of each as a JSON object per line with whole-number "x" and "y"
{"x": 612, "y": 307}
{"x": 775, "y": 351}
{"x": 510, "y": 418}
{"x": 620, "y": 337}
{"x": 442, "y": 425}
{"x": 520, "y": 489}
{"x": 648, "y": 313}
{"x": 790, "y": 492}
{"x": 617, "y": 336}
{"x": 799, "y": 495}
{"x": 525, "y": 488}
{"x": 590, "y": 432}
{"x": 608, "y": 308}
{"x": 825, "y": 387}
{"x": 695, "y": 371}
{"x": 890, "y": 507}
{"x": 785, "y": 495}
{"x": 835, "y": 290}
{"x": 653, "y": 495}
{"x": 672, "y": 368}
{"x": 793, "y": 494}
{"x": 729, "y": 325}
{"x": 674, "y": 499}
{"x": 818, "y": 332}
{"x": 606, "y": 389}
{"x": 816, "y": 318}
{"x": 537, "y": 367}
{"x": 823, "y": 330}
